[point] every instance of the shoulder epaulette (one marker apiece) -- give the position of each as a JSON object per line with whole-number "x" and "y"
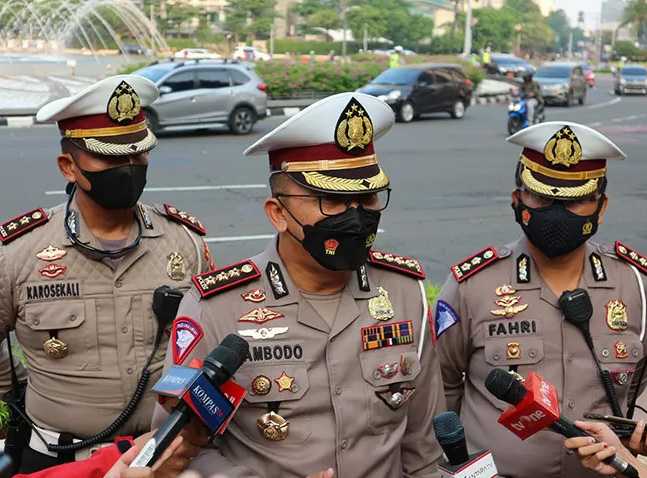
{"x": 21, "y": 225}
{"x": 474, "y": 263}
{"x": 631, "y": 256}
{"x": 184, "y": 218}
{"x": 403, "y": 264}
{"x": 220, "y": 280}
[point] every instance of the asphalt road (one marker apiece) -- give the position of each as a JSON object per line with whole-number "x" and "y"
{"x": 451, "y": 179}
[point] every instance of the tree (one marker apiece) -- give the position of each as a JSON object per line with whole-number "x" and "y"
{"x": 495, "y": 27}
{"x": 636, "y": 14}
{"x": 558, "y": 22}
{"x": 250, "y": 18}
{"x": 319, "y": 13}
{"x": 536, "y": 35}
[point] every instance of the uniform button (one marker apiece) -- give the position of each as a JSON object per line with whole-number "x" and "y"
{"x": 571, "y": 404}
{"x": 532, "y": 354}
{"x": 72, "y": 318}
{"x": 36, "y": 321}
{"x": 130, "y": 371}
{"x": 338, "y": 390}
{"x": 124, "y": 329}
{"x": 605, "y": 353}
{"x": 119, "y": 283}
{"x": 634, "y": 353}
{"x": 344, "y": 444}
{"x": 496, "y": 356}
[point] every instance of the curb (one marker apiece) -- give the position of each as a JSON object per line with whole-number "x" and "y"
{"x": 18, "y": 121}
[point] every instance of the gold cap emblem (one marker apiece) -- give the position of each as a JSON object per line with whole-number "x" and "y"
{"x": 124, "y": 103}
{"x": 354, "y": 130}
{"x": 563, "y": 148}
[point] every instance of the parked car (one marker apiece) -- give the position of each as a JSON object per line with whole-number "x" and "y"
{"x": 196, "y": 54}
{"x": 589, "y": 74}
{"x": 134, "y": 49}
{"x": 562, "y": 83}
{"x": 502, "y": 64}
{"x": 199, "y": 94}
{"x": 414, "y": 90}
{"x": 631, "y": 79}
{"x": 250, "y": 53}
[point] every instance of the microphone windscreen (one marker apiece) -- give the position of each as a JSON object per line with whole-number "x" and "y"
{"x": 230, "y": 354}
{"x": 448, "y": 428}
{"x": 505, "y": 386}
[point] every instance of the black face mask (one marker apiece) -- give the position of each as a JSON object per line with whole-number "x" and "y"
{"x": 117, "y": 188}
{"x": 555, "y": 230}
{"x": 341, "y": 242}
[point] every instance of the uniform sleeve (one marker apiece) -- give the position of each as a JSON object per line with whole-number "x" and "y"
{"x": 420, "y": 450}
{"x": 97, "y": 465}
{"x": 7, "y": 320}
{"x": 451, "y": 328}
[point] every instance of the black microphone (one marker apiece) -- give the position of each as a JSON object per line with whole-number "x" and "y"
{"x": 451, "y": 436}
{"x": 509, "y": 389}
{"x": 219, "y": 366}
{"x": 577, "y": 309}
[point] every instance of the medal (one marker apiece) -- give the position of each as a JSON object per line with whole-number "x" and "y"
{"x": 55, "y": 348}
{"x": 261, "y": 385}
{"x": 175, "y": 267}
{"x": 273, "y": 426}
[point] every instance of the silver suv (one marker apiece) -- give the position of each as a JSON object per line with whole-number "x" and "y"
{"x": 201, "y": 94}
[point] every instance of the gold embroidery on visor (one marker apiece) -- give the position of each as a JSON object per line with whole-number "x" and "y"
{"x": 105, "y": 132}
{"x": 538, "y": 187}
{"x": 329, "y": 164}
{"x": 330, "y": 183}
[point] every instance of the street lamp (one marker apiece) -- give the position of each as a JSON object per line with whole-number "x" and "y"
{"x": 518, "y": 28}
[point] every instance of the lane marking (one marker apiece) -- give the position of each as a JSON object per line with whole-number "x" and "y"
{"x": 256, "y": 237}
{"x": 602, "y": 105}
{"x": 186, "y": 188}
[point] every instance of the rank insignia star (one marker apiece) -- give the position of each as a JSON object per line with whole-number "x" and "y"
{"x": 185, "y": 219}
{"x": 285, "y": 382}
{"x": 403, "y": 264}
{"x": 631, "y": 256}
{"x": 474, "y": 263}
{"x": 219, "y": 280}
{"x": 20, "y": 225}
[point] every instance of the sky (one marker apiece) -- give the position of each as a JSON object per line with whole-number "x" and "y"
{"x": 591, "y": 9}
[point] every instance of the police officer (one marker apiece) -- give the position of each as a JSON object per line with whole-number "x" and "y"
{"x": 342, "y": 373}
{"x": 508, "y": 307}
{"x": 77, "y": 281}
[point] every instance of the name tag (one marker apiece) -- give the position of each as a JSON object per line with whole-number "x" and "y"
{"x": 511, "y": 328}
{"x": 275, "y": 352}
{"x": 42, "y": 291}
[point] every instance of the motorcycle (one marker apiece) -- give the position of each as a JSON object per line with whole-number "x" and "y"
{"x": 518, "y": 113}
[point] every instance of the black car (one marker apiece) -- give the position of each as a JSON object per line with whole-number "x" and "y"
{"x": 502, "y": 64}
{"x": 631, "y": 79}
{"x": 414, "y": 90}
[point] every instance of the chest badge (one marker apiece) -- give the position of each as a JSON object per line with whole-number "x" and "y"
{"x": 513, "y": 350}
{"x": 260, "y": 316}
{"x": 508, "y": 302}
{"x": 273, "y": 426}
{"x": 263, "y": 333}
{"x": 51, "y": 253}
{"x": 621, "y": 350}
{"x": 175, "y": 267}
{"x": 55, "y": 348}
{"x": 52, "y": 271}
{"x": 255, "y": 295}
{"x": 380, "y": 307}
{"x": 261, "y": 385}
{"x": 285, "y": 383}
{"x": 617, "y": 315}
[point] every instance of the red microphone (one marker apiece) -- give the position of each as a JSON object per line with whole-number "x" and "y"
{"x": 538, "y": 409}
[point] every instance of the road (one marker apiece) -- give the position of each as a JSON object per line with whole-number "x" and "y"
{"x": 451, "y": 179}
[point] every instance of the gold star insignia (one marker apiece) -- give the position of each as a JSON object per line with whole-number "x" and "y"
{"x": 284, "y": 382}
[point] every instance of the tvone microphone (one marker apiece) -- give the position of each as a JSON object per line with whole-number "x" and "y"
{"x": 199, "y": 395}
{"x": 451, "y": 436}
{"x": 535, "y": 407}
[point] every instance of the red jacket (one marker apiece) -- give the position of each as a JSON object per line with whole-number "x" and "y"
{"x": 94, "y": 467}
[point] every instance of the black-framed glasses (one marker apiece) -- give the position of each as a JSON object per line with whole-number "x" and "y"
{"x": 333, "y": 204}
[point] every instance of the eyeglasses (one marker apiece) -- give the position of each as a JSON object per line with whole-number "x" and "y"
{"x": 333, "y": 204}
{"x": 577, "y": 206}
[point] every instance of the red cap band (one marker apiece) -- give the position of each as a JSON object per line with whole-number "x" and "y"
{"x": 95, "y": 121}
{"x": 317, "y": 152}
{"x": 586, "y": 165}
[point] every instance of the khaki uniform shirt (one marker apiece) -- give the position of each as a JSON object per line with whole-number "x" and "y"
{"x": 538, "y": 339}
{"x": 104, "y": 316}
{"x": 336, "y": 417}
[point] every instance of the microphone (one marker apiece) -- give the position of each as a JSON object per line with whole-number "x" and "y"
{"x": 451, "y": 436}
{"x": 536, "y": 407}
{"x": 198, "y": 392}
{"x": 577, "y": 309}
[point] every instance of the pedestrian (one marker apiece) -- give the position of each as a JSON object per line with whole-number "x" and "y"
{"x": 395, "y": 58}
{"x": 513, "y": 307}
{"x": 81, "y": 283}
{"x": 342, "y": 373}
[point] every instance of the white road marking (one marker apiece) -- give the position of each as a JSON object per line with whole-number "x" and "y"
{"x": 606, "y": 103}
{"x": 186, "y": 188}
{"x": 20, "y": 121}
{"x": 256, "y": 237}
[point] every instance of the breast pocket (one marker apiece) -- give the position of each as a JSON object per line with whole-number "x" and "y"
{"x": 389, "y": 376}
{"x": 619, "y": 354}
{"x": 72, "y": 323}
{"x": 522, "y": 352}
{"x": 284, "y": 384}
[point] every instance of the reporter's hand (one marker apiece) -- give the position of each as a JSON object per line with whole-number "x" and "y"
{"x": 121, "y": 468}
{"x": 601, "y": 432}
{"x": 329, "y": 473}
{"x": 636, "y": 443}
{"x": 175, "y": 459}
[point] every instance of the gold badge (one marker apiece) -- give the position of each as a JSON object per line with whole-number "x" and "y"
{"x": 380, "y": 307}
{"x": 124, "y": 104}
{"x": 55, "y": 348}
{"x": 261, "y": 385}
{"x": 621, "y": 350}
{"x": 175, "y": 267}
{"x": 255, "y": 295}
{"x": 514, "y": 350}
{"x": 617, "y": 315}
{"x": 505, "y": 289}
{"x": 260, "y": 315}
{"x": 285, "y": 382}
{"x": 563, "y": 148}
{"x": 51, "y": 253}
{"x": 273, "y": 426}
{"x": 354, "y": 130}
{"x": 510, "y": 306}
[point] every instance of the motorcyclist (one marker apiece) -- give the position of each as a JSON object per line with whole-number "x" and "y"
{"x": 532, "y": 92}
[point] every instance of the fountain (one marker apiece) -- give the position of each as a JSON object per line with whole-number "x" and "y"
{"x": 87, "y": 25}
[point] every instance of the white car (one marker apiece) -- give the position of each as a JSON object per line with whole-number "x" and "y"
{"x": 250, "y": 53}
{"x": 196, "y": 54}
